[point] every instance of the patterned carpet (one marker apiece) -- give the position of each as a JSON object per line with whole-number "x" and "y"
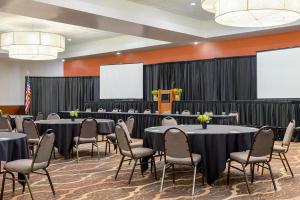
{"x": 93, "y": 179}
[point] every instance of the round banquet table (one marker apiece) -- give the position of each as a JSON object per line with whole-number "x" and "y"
{"x": 66, "y": 129}
{"x": 12, "y": 119}
{"x": 214, "y": 144}
{"x": 13, "y": 146}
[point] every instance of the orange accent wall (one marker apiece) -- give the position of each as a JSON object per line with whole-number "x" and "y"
{"x": 89, "y": 66}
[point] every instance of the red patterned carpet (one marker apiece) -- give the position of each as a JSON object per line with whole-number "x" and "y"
{"x": 92, "y": 179}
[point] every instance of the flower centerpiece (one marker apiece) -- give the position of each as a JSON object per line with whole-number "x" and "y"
{"x": 155, "y": 95}
{"x": 177, "y": 93}
{"x": 204, "y": 120}
{"x": 74, "y": 114}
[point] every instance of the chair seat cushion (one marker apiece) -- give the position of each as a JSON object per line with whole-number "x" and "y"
{"x": 139, "y": 152}
{"x": 184, "y": 161}
{"x": 242, "y": 156}
{"x": 112, "y": 137}
{"x": 33, "y": 141}
{"x": 23, "y": 166}
{"x": 136, "y": 144}
{"x": 279, "y": 149}
{"x": 85, "y": 140}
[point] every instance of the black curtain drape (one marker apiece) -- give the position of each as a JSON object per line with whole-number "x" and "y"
{"x": 223, "y": 79}
{"x": 53, "y": 94}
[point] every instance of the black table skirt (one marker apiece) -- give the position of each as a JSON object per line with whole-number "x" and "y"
{"x": 215, "y": 149}
{"x": 65, "y": 132}
{"x": 143, "y": 121}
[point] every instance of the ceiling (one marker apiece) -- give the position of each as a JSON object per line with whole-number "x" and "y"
{"x": 109, "y": 26}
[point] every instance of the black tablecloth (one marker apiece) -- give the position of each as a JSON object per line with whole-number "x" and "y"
{"x": 13, "y": 146}
{"x": 12, "y": 119}
{"x": 143, "y": 121}
{"x": 214, "y": 144}
{"x": 65, "y": 130}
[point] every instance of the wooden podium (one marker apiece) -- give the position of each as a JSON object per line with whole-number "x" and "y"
{"x": 165, "y": 100}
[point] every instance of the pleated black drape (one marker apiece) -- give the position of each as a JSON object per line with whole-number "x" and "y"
{"x": 223, "y": 79}
{"x": 53, "y": 94}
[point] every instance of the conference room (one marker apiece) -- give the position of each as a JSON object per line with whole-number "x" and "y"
{"x": 149, "y": 99}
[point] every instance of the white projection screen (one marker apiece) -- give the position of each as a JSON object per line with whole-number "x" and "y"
{"x": 278, "y": 73}
{"x": 124, "y": 81}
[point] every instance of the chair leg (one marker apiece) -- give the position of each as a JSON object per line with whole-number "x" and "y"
{"x": 246, "y": 178}
{"x": 135, "y": 161}
{"x": 288, "y": 164}
{"x": 3, "y": 183}
{"x": 154, "y": 167}
{"x": 120, "y": 165}
{"x": 194, "y": 179}
{"x": 77, "y": 153}
{"x": 49, "y": 179}
{"x": 92, "y": 149}
{"x": 262, "y": 169}
{"x": 228, "y": 173}
{"x": 13, "y": 181}
{"x": 282, "y": 160}
{"x": 98, "y": 152}
{"x": 252, "y": 173}
{"x": 173, "y": 173}
{"x": 272, "y": 177}
{"x": 163, "y": 178}
{"x": 28, "y": 185}
{"x": 142, "y": 171}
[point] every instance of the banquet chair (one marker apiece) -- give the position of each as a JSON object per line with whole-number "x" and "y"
{"x": 113, "y": 139}
{"x": 259, "y": 154}
{"x": 32, "y": 133}
{"x": 236, "y": 114}
{"x": 88, "y": 110}
{"x": 136, "y": 154}
{"x": 40, "y": 162}
{"x": 19, "y": 124}
{"x": 115, "y": 110}
{"x": 100, "y": 110}
{"x": 53, "y": 116}
{"x": 169, "y": 121}
{"x": 282, "y": 150}
{"x": 147, "y": 111}
{"x": 39, "y": 116}
{"x": 186, "y": 112}
{"x": 178, "y": 152}
{"x": 5, "y": 125}
{"x": 167, "y": 113}
{"x": 88, "y": 135}
{"x": 208, "y": 113}
{"x": 131, "y": 110}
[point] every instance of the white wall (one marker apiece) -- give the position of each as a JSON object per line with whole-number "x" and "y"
{"x": 12, "y": 77}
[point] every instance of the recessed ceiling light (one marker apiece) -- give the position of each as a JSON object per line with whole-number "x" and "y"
{"x": 69, "y": 39}
{"x": 193, "y": 4}
{"x": 118, "y": 53}
{"x": 196, "y": 43}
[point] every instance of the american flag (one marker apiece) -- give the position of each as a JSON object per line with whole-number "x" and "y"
{"x": 27, "y": 97}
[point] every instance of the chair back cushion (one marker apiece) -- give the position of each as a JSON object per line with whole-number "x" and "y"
{"x": 263, "y": 142}
{"x": 130, "y": 124}
{"x": 131, "y": 110}
{"x": 169, "y": 121}
{"x": 115, "y": 110}
{"x": 88, "y": 110}
{"x": 39, "y": 116}
{"x": 236, "y": 114}
{"x": 176, "y": 144}
{"x": 29, "y": 128}
{"x": 45, "y": 147}
{"x": 53, "y": 116}
{"x": 101, "y": 110}
{"x": 89, "y": 128}
{"x": 186, "y": 112}
{"x": 5, "y": 124}
{"x": 288, "y": 134}
{"x": 147, "y": 111}
{"x": 19, "y": 124}
{"x": 125, "y": 128}
{"x": 122, "y": 139}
